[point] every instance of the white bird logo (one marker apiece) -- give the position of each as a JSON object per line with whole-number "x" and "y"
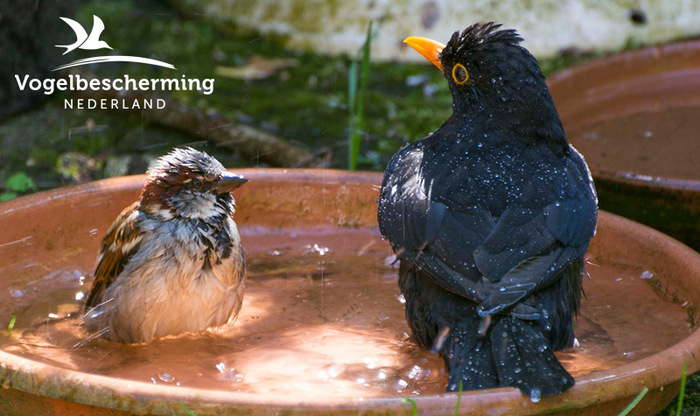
{"x": 83, "y": 41}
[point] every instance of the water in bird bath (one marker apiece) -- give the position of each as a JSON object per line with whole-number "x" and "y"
{"x": 322, "y": 317}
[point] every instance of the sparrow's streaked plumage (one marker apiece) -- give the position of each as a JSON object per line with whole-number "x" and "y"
{"x": 490, "y": 217}
{"x": 171, "y": 262}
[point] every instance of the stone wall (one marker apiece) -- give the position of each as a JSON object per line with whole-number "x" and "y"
{"x": 548, "y": 26}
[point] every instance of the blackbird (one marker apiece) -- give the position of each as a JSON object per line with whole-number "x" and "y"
{"x": 490, "y": 217}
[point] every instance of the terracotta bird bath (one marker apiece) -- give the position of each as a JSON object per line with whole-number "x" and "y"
{"x": 634, "y": 116}
{"x": 322, "y": 328}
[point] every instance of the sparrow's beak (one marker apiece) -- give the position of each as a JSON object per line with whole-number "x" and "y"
{"x": 427, "y": 47}
{"x": 229, "y": 181}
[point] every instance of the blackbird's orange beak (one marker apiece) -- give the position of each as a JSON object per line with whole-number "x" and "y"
{"x": 427, "y": 47}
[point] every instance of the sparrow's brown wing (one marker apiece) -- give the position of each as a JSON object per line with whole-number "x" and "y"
{"x": 122, "y": 241}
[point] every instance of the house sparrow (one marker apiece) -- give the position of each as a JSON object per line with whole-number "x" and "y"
{"x": 172, "y": 261}
{"x": 490, "y": 217}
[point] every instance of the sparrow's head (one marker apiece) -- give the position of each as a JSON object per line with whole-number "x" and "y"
{"x": 492, "y": 77}
{"x": 189, "y": 183}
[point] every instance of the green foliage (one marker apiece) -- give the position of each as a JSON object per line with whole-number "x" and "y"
{"x": 311, "y": 104}
{"x": 18, "y": 183}
{"x": 306, "y": 104}
{"x": 6, "y": 196}
{"x": 688, "y": 398}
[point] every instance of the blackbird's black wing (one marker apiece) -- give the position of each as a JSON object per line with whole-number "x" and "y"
{"x": 455, "y": 233}
{"x": 426, "y": 232}
{"x": 531, "y": 244}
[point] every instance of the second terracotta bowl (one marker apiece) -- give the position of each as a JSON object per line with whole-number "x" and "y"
{"x": 634, "y": 117}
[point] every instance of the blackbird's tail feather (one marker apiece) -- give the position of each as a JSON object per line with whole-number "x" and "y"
{"x": 513, "y": 353}
{"x": 525, "y": 360}
{"x": 470, "y": 362}
{"x": 521, "y": 352}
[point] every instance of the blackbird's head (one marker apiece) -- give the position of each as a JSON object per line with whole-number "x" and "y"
{"x": 491, "y": 76}
{"x": 190, "y": 184}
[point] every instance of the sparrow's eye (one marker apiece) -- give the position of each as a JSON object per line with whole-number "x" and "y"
{"x": 196, "y": 183}
{"x": 459, "y": 74}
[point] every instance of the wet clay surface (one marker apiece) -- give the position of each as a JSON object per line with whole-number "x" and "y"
{"x": 635, "y": 114}
{"x": 322, "y": 317}
{"x": 662, "y": 144}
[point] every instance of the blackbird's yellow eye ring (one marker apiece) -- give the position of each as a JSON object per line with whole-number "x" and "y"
{"x": 460, "y": 74}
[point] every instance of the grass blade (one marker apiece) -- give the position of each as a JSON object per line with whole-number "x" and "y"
{"x": 413, "y": 405}
{"x": 352, "y": 88}
{"x": 459, "y": 398}
{"x": 11, "y": 325}
{"x": 356, "y": 100}
{"x": 353, "y": 134}
{"x": 635, "y": 402}
{"x": 681, "y": 395}
{"x": 188, "y": 411}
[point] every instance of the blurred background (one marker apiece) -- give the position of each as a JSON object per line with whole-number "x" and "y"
{"x": 297, "y": 83}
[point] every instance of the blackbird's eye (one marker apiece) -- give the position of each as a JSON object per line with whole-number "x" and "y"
{"x": 459, "y": 74}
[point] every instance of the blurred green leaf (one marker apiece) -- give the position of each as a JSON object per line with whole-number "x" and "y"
{"x": 20, "y": 182}
{"x": 11, "y": 325}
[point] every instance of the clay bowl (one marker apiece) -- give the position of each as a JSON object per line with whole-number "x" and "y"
{"x": 645, "y": 283}
{"x": 634, "y": 117}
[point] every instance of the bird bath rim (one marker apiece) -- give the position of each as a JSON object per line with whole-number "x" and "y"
{"x": 583, "y": 88}
{"x": 616, "y": 384}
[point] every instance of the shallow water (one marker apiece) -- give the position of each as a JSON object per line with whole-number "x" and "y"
{"x": 323, "y": 317}
{"x": 661, "y": 143}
